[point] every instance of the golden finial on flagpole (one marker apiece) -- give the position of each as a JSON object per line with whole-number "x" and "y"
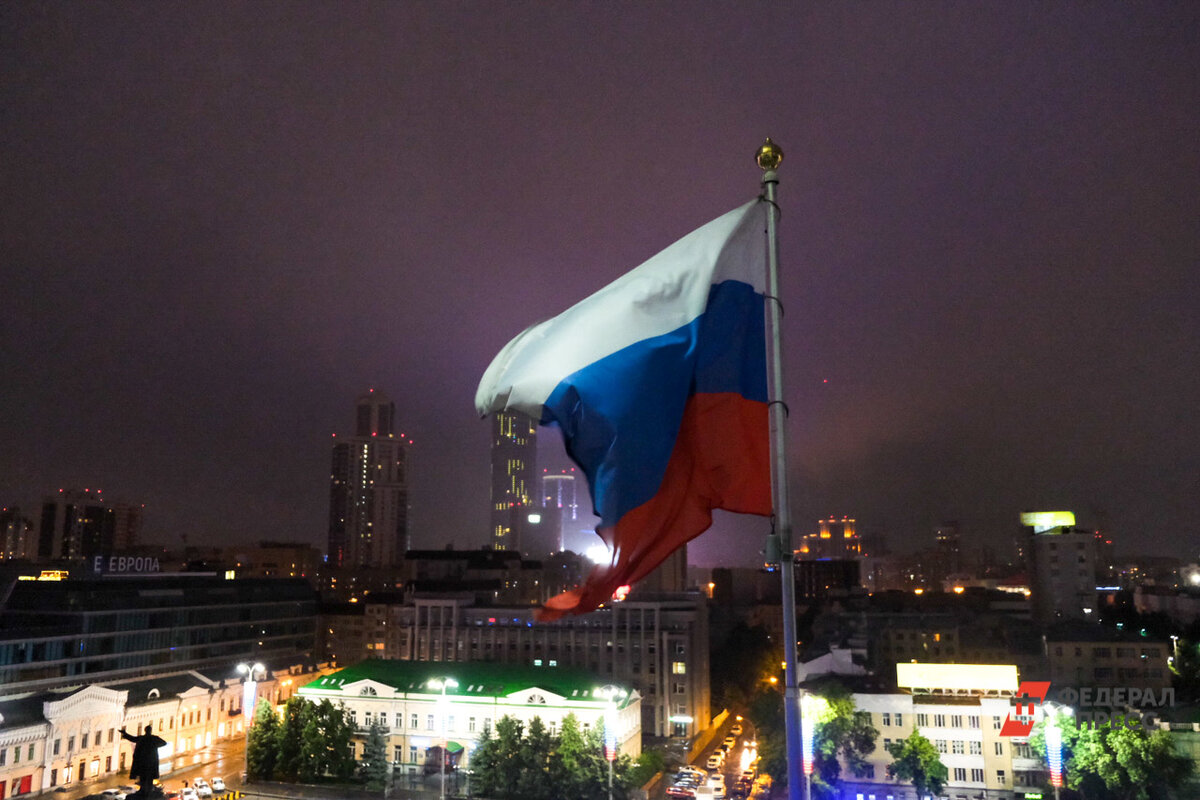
{"x": 769, "y": 155}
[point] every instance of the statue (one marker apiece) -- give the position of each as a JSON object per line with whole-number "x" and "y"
{"x": 144, "y": 766}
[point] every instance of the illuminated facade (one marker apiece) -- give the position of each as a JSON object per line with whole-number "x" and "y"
{"x": 406, "y": 698}
{"x": 515, "y": 500}
{"x": 835, "y": 538}
{"x": 368, "y": 489}
{"x": 960, "y": 708}
{"x": 559, "y": 492}
{"x": 18, "y": 536}
{"x": 60, "y": 739}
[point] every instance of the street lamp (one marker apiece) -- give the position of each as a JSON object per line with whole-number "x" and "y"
{"x": 249, "y": 695}
{"x": 611, "y": 694}
{"x": 443, "y": 684}
{"x": 1054, "y": 743}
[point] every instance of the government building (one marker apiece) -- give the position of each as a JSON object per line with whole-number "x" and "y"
{"x": 426, "y": 707}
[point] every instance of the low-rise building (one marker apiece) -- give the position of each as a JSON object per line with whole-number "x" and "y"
{"x": 1081, "y": 655}
{"x": 961, "y": 709}
{"x": 70, "y": 735}
{"x": 425, "y": 707}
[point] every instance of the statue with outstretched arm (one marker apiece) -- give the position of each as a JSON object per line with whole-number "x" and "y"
{"x": 144, "y": 766}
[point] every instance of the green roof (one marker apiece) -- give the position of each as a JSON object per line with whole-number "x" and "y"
{"x": 475, "y": 678}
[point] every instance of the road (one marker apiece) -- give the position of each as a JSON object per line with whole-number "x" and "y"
{"x": 732, "y": 766}
{"x": 225, "y": 759}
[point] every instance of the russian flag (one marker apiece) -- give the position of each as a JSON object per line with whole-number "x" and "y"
{"x": 658, "y": 383}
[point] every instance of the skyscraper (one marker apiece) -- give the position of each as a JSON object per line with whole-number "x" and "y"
{"x": 18, "y": 535}
{"x": 558, "y": 492}
{"x": 368, "y": 489}
{"x": 514, "y": 492}
{"x": 77, "y": 525}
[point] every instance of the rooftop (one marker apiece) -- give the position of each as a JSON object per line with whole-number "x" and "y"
{"x": 483, "y": 679}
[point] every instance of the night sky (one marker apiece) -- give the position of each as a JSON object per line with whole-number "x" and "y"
{"x": 223, "y": 222}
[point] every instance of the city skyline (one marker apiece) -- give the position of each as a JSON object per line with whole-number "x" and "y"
{"x": 227, "y": 226}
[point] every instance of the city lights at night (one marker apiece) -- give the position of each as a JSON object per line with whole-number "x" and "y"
{"x": 486, "y": 407}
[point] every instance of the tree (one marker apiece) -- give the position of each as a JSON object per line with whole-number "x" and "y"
{"x": 338, "y": 729}
{"x": 533, "y": 763}
{"x": 916, "y": 760}
{"x": 1185, "y": 670}
{"x": 312, "y": 751}
{"x": 374, "y": 765}
{"x": 1118, "y": 762}
{"x": 325, "y": 744}
{"x": 513, "y": 764}
{"x": 296, "y": 713}
{"x": 840, "y": 734}
{"x": 648, "y": 764}
{"x": 485, "y": 762}
{"x": 262, "y": 748}
{"x": 766, "y": 712}
{"x": 509, "y": 732}
{"x": 568, "y": 766}
{"x": 738, "y": 661}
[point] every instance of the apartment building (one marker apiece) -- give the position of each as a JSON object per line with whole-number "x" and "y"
{"x": 961, "y": 709}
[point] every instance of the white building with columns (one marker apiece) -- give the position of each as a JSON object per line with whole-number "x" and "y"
{"x": 406, "y": 697}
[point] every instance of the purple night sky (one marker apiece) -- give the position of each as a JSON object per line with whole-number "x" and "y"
{"x": 223, "y": 222}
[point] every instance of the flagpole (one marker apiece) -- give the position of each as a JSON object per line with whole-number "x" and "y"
{"x": 769, "y": 156}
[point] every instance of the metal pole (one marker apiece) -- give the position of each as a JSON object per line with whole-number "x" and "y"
{"x": 445, "y": 739}
{"x": 246, "y": 727}
{"x": 610, "y": 770}
{"x": 768, "y": 157}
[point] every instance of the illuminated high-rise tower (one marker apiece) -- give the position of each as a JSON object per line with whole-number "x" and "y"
{"x": 368, "y": 489}
{"x": 558, "y": 492}
{"x": 515, "y": 501}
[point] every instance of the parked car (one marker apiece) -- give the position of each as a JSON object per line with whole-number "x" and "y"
{"x": 736, "y": 730}
{"x": 694, "y": 771}
{"x": 714, "y": 761}
{"x": 730, "y": 741}
{"x": 188, "y": 793}
{"x": 218, "y": 784}
{"x": 681, "y": 791}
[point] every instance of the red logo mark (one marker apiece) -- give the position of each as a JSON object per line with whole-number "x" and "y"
{"x": 1030, "y": 695}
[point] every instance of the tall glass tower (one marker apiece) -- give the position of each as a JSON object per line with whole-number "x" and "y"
{"x": 515, "y": 500}
{"x": 368, "y": 489}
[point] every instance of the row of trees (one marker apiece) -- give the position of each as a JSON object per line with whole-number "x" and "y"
{"x": 310, "y": 742}
{"x": 513, "y": 762}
